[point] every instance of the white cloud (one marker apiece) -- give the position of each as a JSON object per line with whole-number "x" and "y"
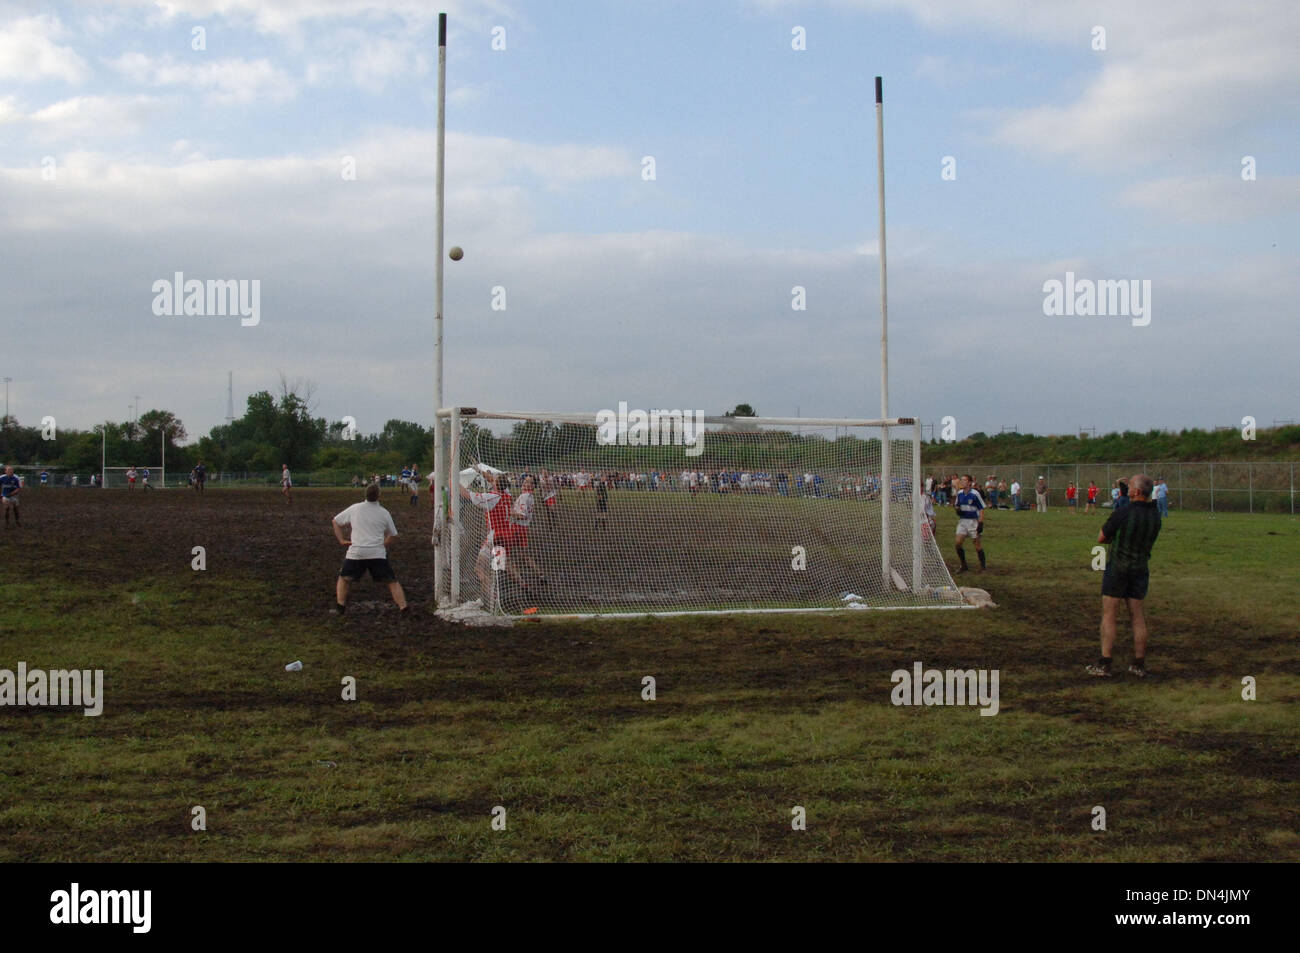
{"x": 287, "y": 16}
{"x": 226, "y": 82}
{"x": 1176, "y": 75}
{"x": 1215, "y": 199}
{"x": 98, "y": 116}
{"x": 28, "y": 52}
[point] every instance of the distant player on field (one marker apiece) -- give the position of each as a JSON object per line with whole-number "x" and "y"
{"x": 10, "y": 487}
{"x": 286, "y": 483}
{"x": 928, "y": 521}
{"x": 144, "y": 479}
{"x": 550, "y": 496}
{"x": 1092, "y": 498}
{"x": 200, "y": 476}
{"x": 970, "y": 520}
{"x": 1131, "y": 531}
{"x": 45, "y": 478}
{"x": 602, "y": 504}
{"x": 130, "y": 478}
{"x": 1072, "y": 499}
{"x": 372, "y": 532}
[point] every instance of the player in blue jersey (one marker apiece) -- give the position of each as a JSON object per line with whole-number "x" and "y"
{"x": 970, "y": 520}
{"x": 10, "y": 487}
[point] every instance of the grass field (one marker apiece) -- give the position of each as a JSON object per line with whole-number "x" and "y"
{"x": 754, "y": 714}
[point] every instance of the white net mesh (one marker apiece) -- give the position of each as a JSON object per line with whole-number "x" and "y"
{"x": 119, "y": 477}
{"x": 556, "y": 520}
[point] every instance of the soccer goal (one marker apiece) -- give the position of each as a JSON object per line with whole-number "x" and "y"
{"x": 665, "y": 512}
{"x": 116, "y": 477}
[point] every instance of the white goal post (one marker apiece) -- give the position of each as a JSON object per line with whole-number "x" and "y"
{"x": 668, "y": 512}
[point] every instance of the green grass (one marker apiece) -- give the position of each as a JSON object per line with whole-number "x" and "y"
{"x": 754, "y": 715}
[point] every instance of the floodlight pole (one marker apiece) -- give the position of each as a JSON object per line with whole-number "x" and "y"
{"x": 440, "y": 540}
{"x": 886, "y": 489}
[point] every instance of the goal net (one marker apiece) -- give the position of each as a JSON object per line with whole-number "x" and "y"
{"x": 633, "y": 513}
{"x": 118, "y": 477}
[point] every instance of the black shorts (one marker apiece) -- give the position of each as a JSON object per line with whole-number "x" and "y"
{"x": 380, "y": 571}
{"x": 1125, "y": 585}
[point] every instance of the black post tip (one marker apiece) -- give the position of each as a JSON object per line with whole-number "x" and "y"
{"x": 880, "y": 96}
{"x": 442, "y": 31}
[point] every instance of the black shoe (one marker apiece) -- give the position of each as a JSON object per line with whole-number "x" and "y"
{"x": 338, "y": 609}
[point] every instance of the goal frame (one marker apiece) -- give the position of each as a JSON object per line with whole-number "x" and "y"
{"x": 449, "y": 513}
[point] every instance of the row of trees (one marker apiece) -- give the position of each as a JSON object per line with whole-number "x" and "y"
{"x": 1275, "y": 443}
{"x": 282, "y": 428}
{"x": 274, "y": 429}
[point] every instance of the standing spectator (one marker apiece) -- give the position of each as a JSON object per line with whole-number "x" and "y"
{"x": 929, "y": 485}
{"x": 1015, "y": 495}
{"x": 1121, "y": 500}
{"x": 1002, "y": 492}
{"x": 1040, "y": 492}
{"x": 1092, "y": 497}
{"x": 1072, "y": 498}
{"x": 991, "y": 492}
{"x": 1131, "y": 531}
{"x": 1161, "y": 497}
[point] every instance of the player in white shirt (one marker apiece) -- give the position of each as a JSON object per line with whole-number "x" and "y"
{"x": 372, "y": 532}
{"x": 286, "y": 483}
{"x": 521, "y": 517}
{"x": 130, "y": 478}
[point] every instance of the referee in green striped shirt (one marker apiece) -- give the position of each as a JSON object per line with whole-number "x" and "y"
{"x": 1131, "y": 531}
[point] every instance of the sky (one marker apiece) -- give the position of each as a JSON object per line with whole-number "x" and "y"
{"x": 672, "y": 204}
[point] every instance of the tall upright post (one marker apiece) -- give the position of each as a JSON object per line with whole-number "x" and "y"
{"x": 918, "y": 511}
{"x": 885, "y": 565}
{"x": 163, "y": 482}
{"x": 451, "y": 531}
{"x": 103, "y": 454}
{"x": 441, "y": 538}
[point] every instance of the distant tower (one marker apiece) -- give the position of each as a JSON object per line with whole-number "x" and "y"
{"x": 230, "y": 397}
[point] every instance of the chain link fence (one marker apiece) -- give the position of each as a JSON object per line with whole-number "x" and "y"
{"x": 1207, "y": 487}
